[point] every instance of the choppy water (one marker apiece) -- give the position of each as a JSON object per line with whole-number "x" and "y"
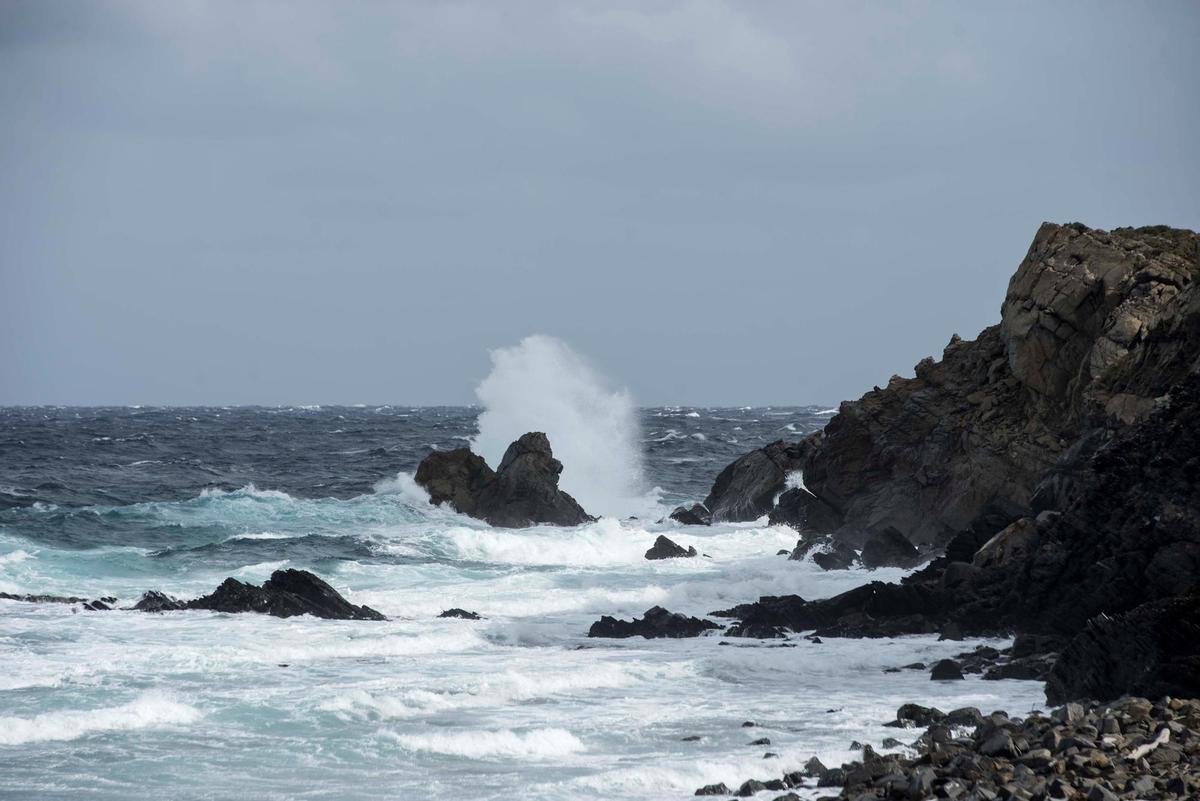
{"x": 198, "y": 705}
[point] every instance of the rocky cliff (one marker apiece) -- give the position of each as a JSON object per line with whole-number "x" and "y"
{"x": 974, "y": 435}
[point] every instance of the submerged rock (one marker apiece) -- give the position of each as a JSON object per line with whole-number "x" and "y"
{"x": 523, "y": 491}
{"x": 286, "y": 594}
{"x": 656, "y": 622}
{"x": 664, "y": 548}
{"x": 461, "y": 613}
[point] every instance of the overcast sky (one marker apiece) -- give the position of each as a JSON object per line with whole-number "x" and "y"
{"x": 718, "y": 203}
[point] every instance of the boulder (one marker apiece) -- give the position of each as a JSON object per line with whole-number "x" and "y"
{"x": 698, "y": 515}
{"x": 664, "y": 548}
{"x": 155, "y": 601}
{"x": 946, "y": 670}
{"x": 746, "y": 489}
{"x": 655, "y": 622}
{"x": 523, "y": 491}
{"x": 889, "y": 548}
{"x": 286, "y": 594}
{"x": 1016, "y": 542}
{"x": 835, "y": 556}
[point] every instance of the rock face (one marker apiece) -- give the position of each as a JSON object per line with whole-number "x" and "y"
{"x": 656, "y": 622}
{"x": 977, "y": 431}
{"x": 804, "y": 511}
{"x": 1150, "y": 650}
{"x": 889, "y": 548}
{"x": 665, "y": 548}
{"x": 286, "y": 594}
{"x": 523, "y": 491}
{"x": 746, "y": 489}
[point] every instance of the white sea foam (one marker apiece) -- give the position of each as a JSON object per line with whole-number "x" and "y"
{"x": 543, "y": 385}
{"x": 500, "y": 744}
{"x": 403, "y": 485}
{"x": 147, "y": 711}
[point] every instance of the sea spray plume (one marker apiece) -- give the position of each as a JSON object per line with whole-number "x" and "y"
{"x": 543, "y": 385}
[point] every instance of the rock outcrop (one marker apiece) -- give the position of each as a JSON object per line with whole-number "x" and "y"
{"x": 746, "y": 489}
{"x": 522, "y": 491}
{"x": 655, "y": 622}
{"x": 286, "y": 594}
{"x": 1122, "y": 537}
{"x": 697, "y": 515}
{"x": 665, "y": 548}
{"x": 1079, "y": 352}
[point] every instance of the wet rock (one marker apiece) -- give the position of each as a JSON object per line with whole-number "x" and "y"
{"x": 522, "y": 491}
{"x": 889, "y": 548}
{"x": 762, "y": 741}
{"x": 460, "y": 613}
{"x": 836, "y": 556}
{"x": 656, "y": 622}
{"x": 697, "y": 515}
{"x": 664, "y": 548}
{"x": 803, "y": 511}
{"x": 946, "y": 670}
{"x": 286, "y": 594}
{"x": 746, "y": 489}
{"x": 714, "y": 789}
{"x": 155, "y": 601}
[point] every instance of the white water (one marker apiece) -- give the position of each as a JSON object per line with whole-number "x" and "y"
{"x": 541, "y": 384}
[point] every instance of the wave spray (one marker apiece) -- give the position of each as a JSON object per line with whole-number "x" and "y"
{"x": 541, "y": 384}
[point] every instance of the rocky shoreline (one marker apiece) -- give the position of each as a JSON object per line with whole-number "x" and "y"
{"x": 1129, "y": 749}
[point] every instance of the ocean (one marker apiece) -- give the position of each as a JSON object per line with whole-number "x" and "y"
{"x": 520, "y": 704}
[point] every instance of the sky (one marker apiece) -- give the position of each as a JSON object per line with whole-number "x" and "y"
{"x": 716, "y": 203}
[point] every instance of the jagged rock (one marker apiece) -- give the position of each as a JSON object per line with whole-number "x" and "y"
{"x": 889, "y": 548}
{"x": 1016, "y": 542}
{"x": 462, "y": 614}
{"x": 522, "y": 491}
{"x": 836, "y": 556}
{"x": 286, "y": 594}
{"x": 50, "y": 599}
{"x": 697, "y": 515}
{"x": 664, "y": 548}
{"x": 804, "y": 511}
{"x": 656, "y": 622}
{"x": 746, "y": 489}
{"x": 982, "y": 427}
{"x": 155, "y": 601}
{"x": 714, "y": 789}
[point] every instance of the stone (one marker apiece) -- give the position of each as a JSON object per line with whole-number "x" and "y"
{"x": 655, "y": 622}
{"x": 665, "y": 548}
{"x": 803, "y": 511}
{"x": 836, "y": 556}
{"x": 946, "y": 670}
{"x": 714, "y": 789}
{"x": 746, "y": 489}
{"x": 460, "y": 613}
{"x": 155, "y": 601}
{"x": 697, "y": 515}
{"x": 286, "y": 593}
{"x": 522, "y": 491}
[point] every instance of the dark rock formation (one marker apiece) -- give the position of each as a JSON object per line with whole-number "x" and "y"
{"x": 664, "y": 548}
{"x": 57, "y": 599}
{"x": 982, "y": 428}
{"x": 1064, "y": 481}
{"x": 656, "y": 622}
{"x": 946, "y": 670}
{"x": 1150, "y": 650}
{"x": 804, "y": 511}
{"x": 698, "y": 515}
{"x": 836, "y": 556}
{"x": 746, "y": 489}
{"x": 286, "y": 594}
{"x": 889, "y": 548}
{"x": 523, "y": 491}
{"x": 460, "y": 613}
{"x": 155, "y": 601}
